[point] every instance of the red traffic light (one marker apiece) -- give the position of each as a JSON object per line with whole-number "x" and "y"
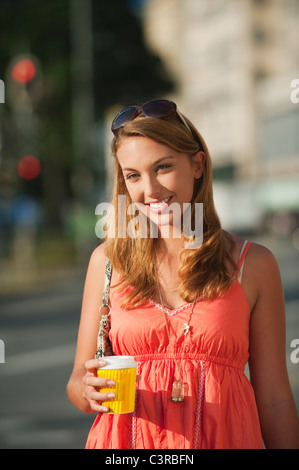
{"x": 23, "y": 71}
{"x": 29, "y": 167}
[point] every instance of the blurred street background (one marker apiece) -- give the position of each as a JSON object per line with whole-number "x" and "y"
{"x": 66, "y": 67}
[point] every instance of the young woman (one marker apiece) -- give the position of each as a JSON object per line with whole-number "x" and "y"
{"x": 191, "y": 315}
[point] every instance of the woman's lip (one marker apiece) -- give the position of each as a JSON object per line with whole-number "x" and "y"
{"x": 162, "y": 207}
{"x": 158, "y": 200}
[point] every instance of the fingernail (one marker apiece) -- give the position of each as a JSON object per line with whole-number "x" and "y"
{"x": 101, "y": 363}
{"x": 111, "y": 395}
{"x": 110, "y": 382}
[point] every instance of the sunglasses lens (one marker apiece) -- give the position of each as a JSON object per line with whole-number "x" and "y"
{"x": 159, "y": 108}
{"x": 124, "y": 116}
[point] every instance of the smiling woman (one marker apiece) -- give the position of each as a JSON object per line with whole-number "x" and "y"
{"x": 177, "y": 169}
{"x": 191, "y": 318}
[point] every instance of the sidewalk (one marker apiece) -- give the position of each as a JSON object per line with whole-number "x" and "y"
{"x": 17, "y": 280}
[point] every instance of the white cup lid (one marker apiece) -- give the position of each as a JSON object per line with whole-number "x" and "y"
{"x": 119, "y": 362}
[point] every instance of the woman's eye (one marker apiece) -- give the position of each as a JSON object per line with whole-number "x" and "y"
{"x": 162, "y": 167}
{"x": 131, "y": 176}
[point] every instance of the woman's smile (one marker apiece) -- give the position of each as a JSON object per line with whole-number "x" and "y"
{"x": 159, "y": 206}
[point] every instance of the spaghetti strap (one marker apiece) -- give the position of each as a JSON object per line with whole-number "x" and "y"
{"x": 245, "y": 248}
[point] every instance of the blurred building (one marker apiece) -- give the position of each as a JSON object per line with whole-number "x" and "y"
{"x": 234, "y": 61}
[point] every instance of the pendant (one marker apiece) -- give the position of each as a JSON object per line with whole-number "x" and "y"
{"x": 177, "y": 391}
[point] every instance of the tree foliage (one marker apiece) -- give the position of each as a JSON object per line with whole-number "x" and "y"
{"x": 124, "y": 71}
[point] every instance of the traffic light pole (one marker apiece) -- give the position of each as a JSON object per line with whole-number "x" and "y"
{"x": 83, "y": 126}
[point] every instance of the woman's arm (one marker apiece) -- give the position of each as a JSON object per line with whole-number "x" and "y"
{"x": 268, "y": 368}
{"x": 83, "y": 384}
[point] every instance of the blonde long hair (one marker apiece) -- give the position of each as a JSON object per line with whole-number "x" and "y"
{"x": 204, "y": 270}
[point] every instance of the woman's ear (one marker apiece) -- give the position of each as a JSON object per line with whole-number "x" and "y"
{"x": 199, "y": 161}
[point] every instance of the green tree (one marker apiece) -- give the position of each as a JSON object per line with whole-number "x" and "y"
{"x": 124, "y": 71}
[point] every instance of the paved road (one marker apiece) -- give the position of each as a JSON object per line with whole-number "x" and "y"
{"x": 39, "y": 330}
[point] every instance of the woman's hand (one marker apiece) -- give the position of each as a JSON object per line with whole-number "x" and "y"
{"x": 93, "y": 384}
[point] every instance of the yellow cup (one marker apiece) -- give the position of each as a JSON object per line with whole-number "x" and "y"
{"x": 121, "y": 369}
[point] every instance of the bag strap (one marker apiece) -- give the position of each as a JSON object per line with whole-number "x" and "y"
{"x": 108, "y": 273}
{"x": 103, "y": 344}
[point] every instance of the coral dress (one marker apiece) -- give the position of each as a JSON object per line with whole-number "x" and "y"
{"x": 219, "y": 410}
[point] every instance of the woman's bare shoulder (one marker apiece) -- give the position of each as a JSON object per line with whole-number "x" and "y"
{"x": 260, "y": 260}
{"x": 96, "y": 266}
{"x": 97, "y": 263}
{"x": 98, "y": 255}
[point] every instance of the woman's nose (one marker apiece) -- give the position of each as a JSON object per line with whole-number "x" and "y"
{"x": 152, "y": 187}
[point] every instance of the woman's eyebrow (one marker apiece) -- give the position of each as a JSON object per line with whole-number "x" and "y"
{"x": 155, "y": 163}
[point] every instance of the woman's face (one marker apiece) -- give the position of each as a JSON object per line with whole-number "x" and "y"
{"x": 157, "y": 176}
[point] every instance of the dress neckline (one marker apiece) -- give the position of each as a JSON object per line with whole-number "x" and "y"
{"x": 235, "y": 280}
{"x": 174, "y": 311}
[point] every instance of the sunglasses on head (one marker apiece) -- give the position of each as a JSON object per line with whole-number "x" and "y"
{"x": 159, "y": 109}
